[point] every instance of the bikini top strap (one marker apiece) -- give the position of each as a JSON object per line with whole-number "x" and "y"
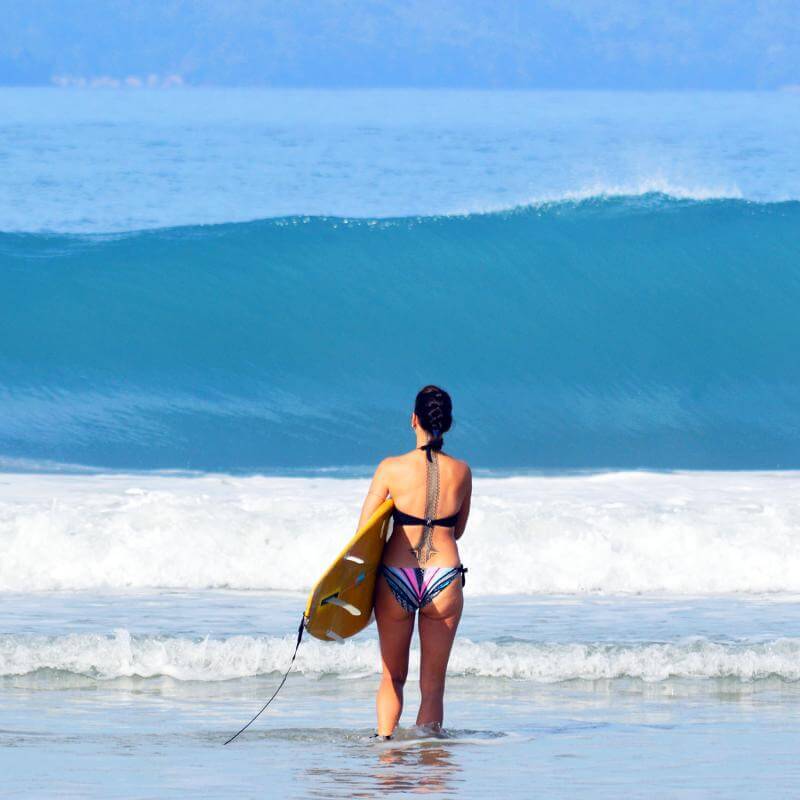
{"x": 402, "y": 518}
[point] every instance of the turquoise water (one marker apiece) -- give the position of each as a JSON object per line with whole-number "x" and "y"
{"x": 260, "y": 280}
{"x": 221, "y": 284}
{"x": 613, "y": 332}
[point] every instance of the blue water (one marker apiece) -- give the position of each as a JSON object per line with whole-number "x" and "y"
{"x": 101, "y": 161}
{"x": 614, "y": 332}
{"x": 247, "y": 281}
{"x": 72, "y": 733}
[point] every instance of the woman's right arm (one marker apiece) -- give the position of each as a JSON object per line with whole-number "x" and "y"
{"x": 463, "y": 514}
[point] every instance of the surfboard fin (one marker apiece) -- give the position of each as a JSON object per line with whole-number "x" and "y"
{"x": 348, "y": 607}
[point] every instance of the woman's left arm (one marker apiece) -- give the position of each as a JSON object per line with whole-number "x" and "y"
{"x": 377, "y": 493}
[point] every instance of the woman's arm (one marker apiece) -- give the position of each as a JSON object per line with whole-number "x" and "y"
{"x": 463, "y": 514}
{"x": 377, "y": 493}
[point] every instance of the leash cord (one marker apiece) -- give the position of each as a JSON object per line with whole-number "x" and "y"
{"x": 280, "y": 685}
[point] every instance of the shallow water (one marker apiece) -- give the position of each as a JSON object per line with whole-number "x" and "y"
{"x": 72, "y": 732}
{"x": 561, "y": 743}
{"x": 112, "y": 687}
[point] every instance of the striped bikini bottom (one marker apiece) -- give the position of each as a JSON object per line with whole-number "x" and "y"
{"x": 414, "y": 587}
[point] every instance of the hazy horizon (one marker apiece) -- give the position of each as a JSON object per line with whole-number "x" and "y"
{"x": 553, "y": 44}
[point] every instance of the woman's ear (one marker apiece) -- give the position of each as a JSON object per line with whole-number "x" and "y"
{"x": 414, "y": 420}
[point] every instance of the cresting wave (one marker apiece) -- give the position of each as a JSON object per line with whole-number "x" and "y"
{"x": 599, "y": 191}
{"x": 690, "y": 533}
{"x": 124, "y": 655}
{"x": 606, "y": 332}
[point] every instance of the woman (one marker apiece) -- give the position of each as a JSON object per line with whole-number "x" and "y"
{"x": 421, "y": 569}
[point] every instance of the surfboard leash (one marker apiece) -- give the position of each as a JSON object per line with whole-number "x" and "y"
{"x": 300, "y": 630}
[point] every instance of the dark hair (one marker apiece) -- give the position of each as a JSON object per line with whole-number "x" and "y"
{"x": 434, "y": 409}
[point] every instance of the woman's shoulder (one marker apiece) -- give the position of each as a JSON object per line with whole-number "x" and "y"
{"x": 391, "y": 462}
{"x": 461, "y": 465}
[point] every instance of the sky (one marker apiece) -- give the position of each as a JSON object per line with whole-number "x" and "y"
{"x": 558, "y": 44}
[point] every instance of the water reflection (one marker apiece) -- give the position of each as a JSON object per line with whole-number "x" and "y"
{"x": 423, "y": 768}
{"x": 407, "y": 767}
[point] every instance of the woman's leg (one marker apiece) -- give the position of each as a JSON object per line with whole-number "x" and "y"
{"x": 395, "y": 627}
{"x": 438, "y": 622}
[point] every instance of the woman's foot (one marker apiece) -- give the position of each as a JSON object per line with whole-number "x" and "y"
{"x": 432, "y": 729}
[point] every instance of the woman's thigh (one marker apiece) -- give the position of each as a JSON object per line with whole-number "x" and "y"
{"x": 438, "y": 622}
{"x": 395, "y": 628}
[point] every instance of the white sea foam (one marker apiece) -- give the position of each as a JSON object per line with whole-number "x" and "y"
{"x": 124, "y": 655}
{"x": 651, "y": 184}
{"x": 685, "y": 533}
{"x": 655, "y": 184}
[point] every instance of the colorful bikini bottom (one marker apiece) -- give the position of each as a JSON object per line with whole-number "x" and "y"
{"x": 414, "y": 587}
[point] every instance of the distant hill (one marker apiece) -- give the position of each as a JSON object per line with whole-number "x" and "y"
{"x": 647, "y": 44}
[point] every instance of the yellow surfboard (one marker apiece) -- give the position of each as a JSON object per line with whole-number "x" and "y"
{"x": 340, "y": 605}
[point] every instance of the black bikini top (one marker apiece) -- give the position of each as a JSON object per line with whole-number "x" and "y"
{"x": 432, "y": 496}
{"x": 402, "y": 518}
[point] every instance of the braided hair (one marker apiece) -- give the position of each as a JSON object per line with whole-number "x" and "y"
{"x": 434, "y": 410}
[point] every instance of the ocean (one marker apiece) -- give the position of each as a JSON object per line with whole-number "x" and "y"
{"x": 216, "y": 307}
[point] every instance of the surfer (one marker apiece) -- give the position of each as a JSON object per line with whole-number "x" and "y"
{"x": 421, "y": 569}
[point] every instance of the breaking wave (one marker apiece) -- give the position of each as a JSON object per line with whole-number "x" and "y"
{"x": 681, "y": 533}
{"x": 124, "y": 656}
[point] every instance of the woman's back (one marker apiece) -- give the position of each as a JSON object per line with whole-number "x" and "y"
{"x": 407, "y": 478}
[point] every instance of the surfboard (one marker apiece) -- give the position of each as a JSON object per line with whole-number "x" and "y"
{"x": 340, "y": 604}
